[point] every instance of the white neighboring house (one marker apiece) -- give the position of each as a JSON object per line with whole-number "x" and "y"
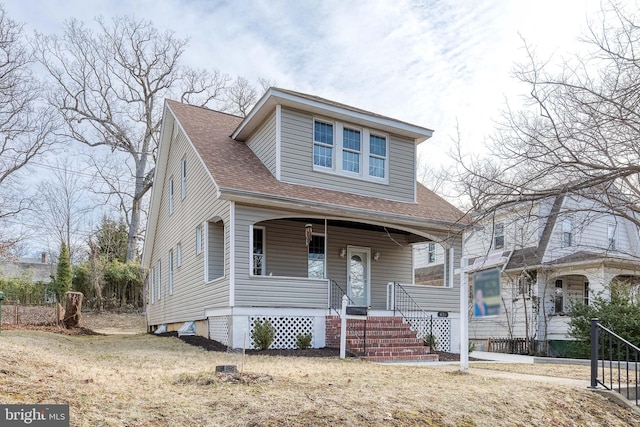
{"x": 551, "y": 253}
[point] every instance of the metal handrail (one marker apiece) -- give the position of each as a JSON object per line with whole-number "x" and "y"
{"x": 610, "y": 352}
{"x": 336, "y": 292}
{"x": 410, "y": 310}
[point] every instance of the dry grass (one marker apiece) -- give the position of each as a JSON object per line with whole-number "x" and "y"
{"x": 142, "y": 380}
{"x": 114, "y": 322}
{"x": 576, "y": 372}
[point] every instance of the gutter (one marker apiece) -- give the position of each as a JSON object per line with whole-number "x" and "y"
{"x": 250, "y": 197}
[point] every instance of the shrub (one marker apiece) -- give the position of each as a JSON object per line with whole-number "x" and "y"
{"x": 263, "y": 334}
{"x": 431, "y": 341}
{"x": 303, "y": 341}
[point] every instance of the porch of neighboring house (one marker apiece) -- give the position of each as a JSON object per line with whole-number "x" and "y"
{"x": 299, "y": 269}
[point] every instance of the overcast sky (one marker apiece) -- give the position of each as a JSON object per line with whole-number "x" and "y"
{"x": 429, "y": 62}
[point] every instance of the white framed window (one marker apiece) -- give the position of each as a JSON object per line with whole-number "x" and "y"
{"x": 323, "y": 144}
{"x": 170, "y": 284}
{"x": 170, "y": 189}
{"x": 498, "y": 236}
{"x": 179, "y": 255}
{"x": 159, "y": 280}
{"x": 585, "y": 299}
{"x": 558, "y": 297}
{"x": 152, "y": 286}
{"x": 351, "y": 150}
{"x": 258, "y": 266}
{"x": 378, "y": 156}
{"x": 199, "y": 239}
{"x": 214, "y": 250}
{"x": 611, "y": 236}
{"x": 183, "y": 178}
{"x": 567, "y": 232}
{"x": 431, "y": 253}
{"x": 316, "y": 257}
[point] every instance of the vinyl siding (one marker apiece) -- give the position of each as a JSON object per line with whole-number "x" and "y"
{"x": 263, "y": 143}
{"x": 191, "y": 295}
{"x": 297, "y": 163}
{"x": 286, "y": 256}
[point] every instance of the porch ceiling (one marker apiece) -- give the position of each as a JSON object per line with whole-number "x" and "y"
{"x": 361, "y": 226}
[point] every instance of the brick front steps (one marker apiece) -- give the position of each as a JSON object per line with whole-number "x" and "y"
{"x": 388, "y": 339}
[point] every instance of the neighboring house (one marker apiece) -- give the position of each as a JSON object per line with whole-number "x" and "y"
{"x": 277, "y": 215}
{"x": 552, "y": 253}
{"x": 36, "y": 270}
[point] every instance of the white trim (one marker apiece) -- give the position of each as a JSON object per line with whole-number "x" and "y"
{"x": 275, "y": 96}
{"x": 351, "y": 249}
{"x": 326, "y": 234}
{"x": 451, "y": 267}
{"x": 183, "y": 177}
{"x": 179, "y": 254}
{"x": 199, "y": 239}
{"x": 207, "y": 279}
{"x": 264, "y": 250}
{"x": 278, "y": 142}
{"x": 415, "y": 173}
{"x": 159, "y": 280}
{"x": 232, "y": 253}
{"x": 338, "y": 151}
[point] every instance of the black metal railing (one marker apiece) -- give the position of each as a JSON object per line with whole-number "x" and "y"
{"x": 614, "y": 362}
{"x": 411, "y": 311}
{"x": 336, "y": 292}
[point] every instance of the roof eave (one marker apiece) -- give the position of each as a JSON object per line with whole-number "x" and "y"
{"x": 274, "y": 97}
{"x": 271, "y": 200}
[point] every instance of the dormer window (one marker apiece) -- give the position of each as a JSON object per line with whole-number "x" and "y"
{"x": 323, "y": 144}
{"x": 351, "y": 146}
{"x": 359, "y": 152}
{"x": 377, "y": 156}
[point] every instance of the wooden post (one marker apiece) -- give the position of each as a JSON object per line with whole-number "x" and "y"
{"x": 73, "y": 309}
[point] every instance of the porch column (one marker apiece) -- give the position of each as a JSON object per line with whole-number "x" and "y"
{"x": 464, "y": 316}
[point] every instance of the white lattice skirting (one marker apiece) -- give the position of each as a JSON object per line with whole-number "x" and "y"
{"x": 219, "y": 328}
{"x": 287, "y": 329}
{"x": 441, "y": 329}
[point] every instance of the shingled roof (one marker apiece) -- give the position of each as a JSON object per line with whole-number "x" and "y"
{"x": 236, "y": 170}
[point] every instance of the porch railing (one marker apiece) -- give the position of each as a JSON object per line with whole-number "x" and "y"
{"x": 614, "y": 362}
{"x": 435, "y": 332}
{"x": 336, "y": 292}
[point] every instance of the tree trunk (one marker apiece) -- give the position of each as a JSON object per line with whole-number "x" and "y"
{"x": 73, "y": 309}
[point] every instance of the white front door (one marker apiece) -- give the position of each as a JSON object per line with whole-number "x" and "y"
{"x": 358, "y": 275}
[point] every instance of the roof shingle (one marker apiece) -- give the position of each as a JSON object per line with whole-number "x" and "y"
{"x": 235, "y": 167}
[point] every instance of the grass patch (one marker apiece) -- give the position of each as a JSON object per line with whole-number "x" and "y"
{"x": 144, "y": 380}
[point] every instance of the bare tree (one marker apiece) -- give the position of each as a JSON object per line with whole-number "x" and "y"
{"x": 25, "y": 125}
{"x": 109, "y": 86}
{"x": 63, "y": 205}
{"x": 242, "y": 95}
{"x": 578, "y": 132}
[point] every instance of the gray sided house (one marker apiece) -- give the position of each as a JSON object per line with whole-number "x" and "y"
{"x": 552, "y": 253}
{"x": 278, "y": 215}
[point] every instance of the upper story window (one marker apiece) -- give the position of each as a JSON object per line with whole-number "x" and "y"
{"x": 611, "y": 236}
{"x": 179, "y": 255}
{"x": 257, "y": 244}
{"x": 350, "y": 151}
{"x": 498, "y": 236}
{"x": 170, "y": 195}
{"x": 323, "y": 144}
{"x": 199, "y": 239}
{"x": 183, "y": 178}
{"x": 567, "y": 232}
{"x": 351, "y": 147}
{"x": 431, "y": 253}
{"x": 377, "y": 156}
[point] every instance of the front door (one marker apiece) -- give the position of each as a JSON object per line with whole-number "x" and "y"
{"x": 358, "y": 275}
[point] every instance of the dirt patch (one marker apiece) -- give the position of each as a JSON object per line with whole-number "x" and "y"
{"x": 209, "y": 378}
{"x": 211, "y": 345}
{"x": 51, "y": 328}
